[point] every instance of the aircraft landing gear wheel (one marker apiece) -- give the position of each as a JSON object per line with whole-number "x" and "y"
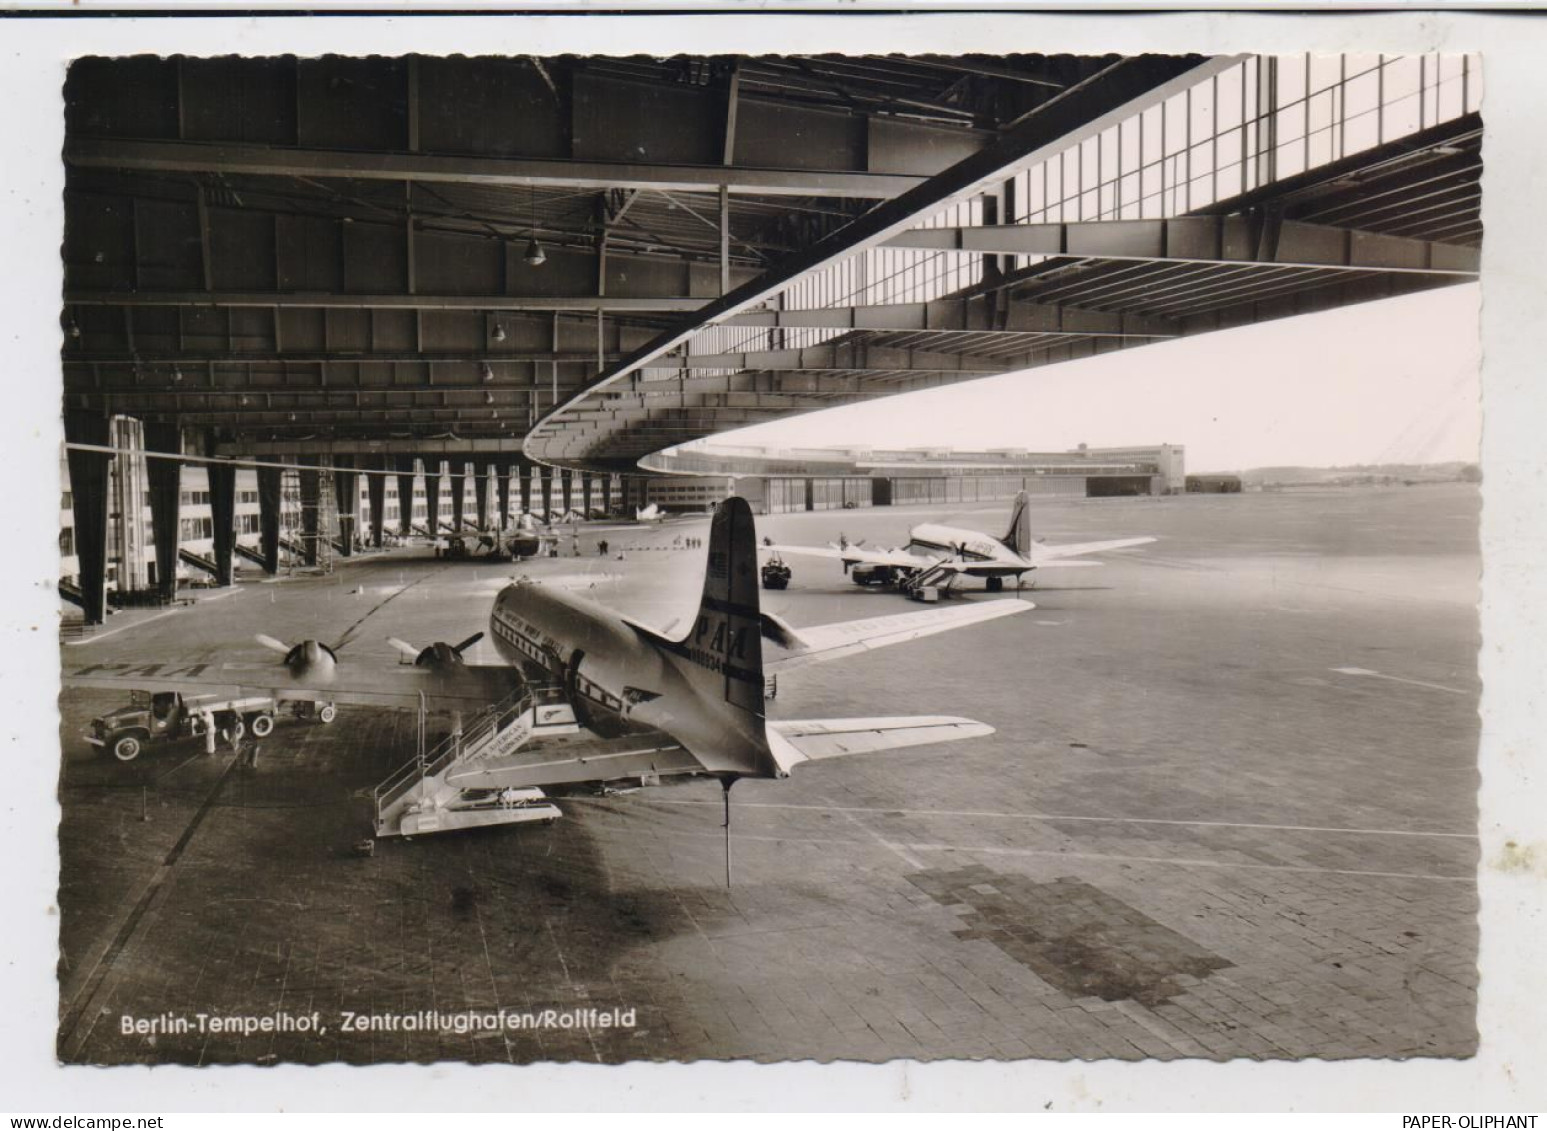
{"x": 995, "y": 584}
{"x": 262, "y": 726}
{"x": 127, "y": 748}
{"x": 326, "y": 713}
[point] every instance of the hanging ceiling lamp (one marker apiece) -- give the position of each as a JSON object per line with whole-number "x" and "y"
{"x": 534, "y": 251}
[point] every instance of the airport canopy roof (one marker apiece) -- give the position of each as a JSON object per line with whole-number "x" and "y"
{"x": 591, "y": 259}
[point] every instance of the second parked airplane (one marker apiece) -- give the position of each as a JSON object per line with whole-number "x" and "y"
{"x": 938, "y": 556}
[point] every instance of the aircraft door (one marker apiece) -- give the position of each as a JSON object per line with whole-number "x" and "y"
{"x": 572, "y": 687}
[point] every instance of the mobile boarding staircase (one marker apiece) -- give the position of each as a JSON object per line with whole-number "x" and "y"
{"x": 420, "y": 797}
{"x": 928, "y": 584}
{"x": 252, "y": 555}
{"x": 198, "y": 561}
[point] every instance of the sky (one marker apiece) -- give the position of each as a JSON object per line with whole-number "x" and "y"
{"x": 1394, "y": 381}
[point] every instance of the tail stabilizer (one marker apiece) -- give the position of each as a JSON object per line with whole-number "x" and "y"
{"x": 803, "y": 740}
{"x": 724, "y": 644}
{"x": 720, "y": 658}
{"x": 1018, "y": 538}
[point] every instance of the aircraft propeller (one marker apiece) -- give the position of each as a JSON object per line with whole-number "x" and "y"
{"x": 437, "y": 654}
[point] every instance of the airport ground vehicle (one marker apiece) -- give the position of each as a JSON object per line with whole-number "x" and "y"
{"x": 454, "y": 548}
{"x": 776, "y": 575}
{"x": 164, "y": 716}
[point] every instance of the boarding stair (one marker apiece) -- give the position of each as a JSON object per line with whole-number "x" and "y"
{"x": 252, "y": 555}
{"x": 420, "y": 797}
{"x": 198, "y": 561}
{"x": 929, "y": 583}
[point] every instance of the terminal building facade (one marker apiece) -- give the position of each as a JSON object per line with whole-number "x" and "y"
{"x": 778, "y": 481}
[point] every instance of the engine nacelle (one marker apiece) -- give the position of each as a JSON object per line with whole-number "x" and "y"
{"x": 311, "y": 657}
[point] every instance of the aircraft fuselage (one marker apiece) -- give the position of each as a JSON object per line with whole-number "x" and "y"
{"x": 930, "y": 540}
{"x": 621, "y": 677}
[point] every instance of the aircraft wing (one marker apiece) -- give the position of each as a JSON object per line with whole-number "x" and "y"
{"x": 572, "y": 761}
{"x": 349, "y": 682}
{"x": 830, "y": 738}
{"x": 1046, "y": 555}
{"x": 852, "y": 555}
{"x": 847, "y": 638}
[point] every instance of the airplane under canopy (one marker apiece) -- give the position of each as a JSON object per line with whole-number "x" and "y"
{"x": 523, "y": 540}
{"x": 526, "y": 541}
{"x": 937, "y": 556}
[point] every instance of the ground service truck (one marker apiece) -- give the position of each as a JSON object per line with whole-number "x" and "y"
{"x": 163, "y": 716}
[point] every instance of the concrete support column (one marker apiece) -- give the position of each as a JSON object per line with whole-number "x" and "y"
{"x": 346, "y": 493}
{"x": 432, "y": 495}
{"x": 585, "y": 493}
{"x": 457, "y": 468}
{"x": 311, "y": 509}
{"x": 502, "y": 474}
{"x": 270, "y": 482}
{"x": 524, "y": 470}
{"x": 566, "y": 488}
{"x": 545, "y": 489}
{"x": 481, "y": 493}
{"x": 405, "y": 495}
{"x": 376, "y": 491}
{"x": 222, "y": 505}
{"x": 606, "y": 494}
{"x": 88, "y": 498}
{"x": 164, "y": 478}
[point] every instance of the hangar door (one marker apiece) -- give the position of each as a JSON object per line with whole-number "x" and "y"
{"x": 1108, "y": 486}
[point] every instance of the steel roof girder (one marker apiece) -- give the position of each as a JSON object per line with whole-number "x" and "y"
{"x": 835, "y": 356}
{"x": 585, "y": 304}
{"x": 287, "y": 161}
{"x": 974, "y": 315}
{"x": 1239, "y": 238}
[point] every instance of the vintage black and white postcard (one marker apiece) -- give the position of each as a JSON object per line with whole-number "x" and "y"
{"x": 645, "y": 539}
